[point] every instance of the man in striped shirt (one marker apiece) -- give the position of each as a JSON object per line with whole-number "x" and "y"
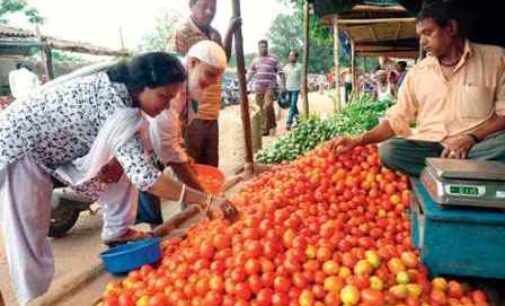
{"x": 264, "y": 69}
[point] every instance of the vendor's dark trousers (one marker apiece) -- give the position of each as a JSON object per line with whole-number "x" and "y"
{"x": 202, "y": 141}
{"x": 409, "y": 156}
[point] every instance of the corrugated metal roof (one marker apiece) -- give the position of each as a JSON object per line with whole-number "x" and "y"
{"x": 18, "y": 37}
{"x": 6, "y": 31}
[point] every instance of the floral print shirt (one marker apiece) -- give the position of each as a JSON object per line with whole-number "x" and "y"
{"x": 58, "y": 124}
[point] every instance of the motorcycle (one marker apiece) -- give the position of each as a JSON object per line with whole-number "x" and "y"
{"x": 230, "y": 95}
{"x": 66, "y": 206}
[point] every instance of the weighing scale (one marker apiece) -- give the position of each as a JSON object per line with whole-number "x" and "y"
{"x": 458, "y": 182}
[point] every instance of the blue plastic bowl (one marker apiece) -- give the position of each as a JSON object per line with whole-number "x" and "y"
{"x": 126, "y": 257}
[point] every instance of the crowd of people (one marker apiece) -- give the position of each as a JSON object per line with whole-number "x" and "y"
{"x": 384, "y": 82}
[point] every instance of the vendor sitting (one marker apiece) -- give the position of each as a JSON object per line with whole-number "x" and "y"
{"x": 455, "y": 97}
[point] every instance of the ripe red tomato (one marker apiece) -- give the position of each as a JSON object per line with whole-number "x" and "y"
{"x": 243, "y": 291}
{"x": 280, "y": 299}
{"x": 282, "y": 284}
{"x": 372, "y": 297}
{"x": 265, "y": 297}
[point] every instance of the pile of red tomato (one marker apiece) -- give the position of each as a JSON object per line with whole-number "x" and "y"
{"x": 322, "y": 230}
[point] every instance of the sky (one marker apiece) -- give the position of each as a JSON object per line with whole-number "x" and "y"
{"x": 99, "y": 21}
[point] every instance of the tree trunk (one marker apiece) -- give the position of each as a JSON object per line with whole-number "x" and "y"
{"x": 305, "y": 71}
{"x": 47, "y": 57}
{"x": 244, "y": 101}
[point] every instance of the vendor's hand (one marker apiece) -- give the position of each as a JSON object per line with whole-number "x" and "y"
{"x": 341, "y": 145}
{"x": 111, "y": 173}
{"x": 222, "y": 208}
{"x": 457, "y": 147}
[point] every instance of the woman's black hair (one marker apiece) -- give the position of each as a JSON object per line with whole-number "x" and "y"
{"x": 151, "y": 70}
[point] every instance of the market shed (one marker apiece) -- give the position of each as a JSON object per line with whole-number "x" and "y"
{"x": 378, "y": 30}
{"x": 21, "y": 42}
{"x": 386, "y": 28}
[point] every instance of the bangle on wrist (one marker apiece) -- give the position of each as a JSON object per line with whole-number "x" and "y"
{"x": 208, "y": 202}
{"x": 182, "y": 194}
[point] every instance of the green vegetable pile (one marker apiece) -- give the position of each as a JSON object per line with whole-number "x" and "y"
{"x": 360, "y": 115}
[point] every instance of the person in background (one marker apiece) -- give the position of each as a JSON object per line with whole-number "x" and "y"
{"x": 293, "y": 73}
{"x": 348, "y": 84}
{"x": 401, "y": 67}
{"x": 202, "y": 131}
{"x": 44, "y": 79}
{"x": 22, "y": 81}
{"x": 456, "y": 97}
{"x": 264, "y": 69}
{"x": 321, "y": 79}
{"x": 385, "y": 90}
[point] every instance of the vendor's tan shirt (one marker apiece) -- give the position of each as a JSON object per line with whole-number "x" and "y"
{"x": 187, "y": 35}
{"x": 442, "y": 108}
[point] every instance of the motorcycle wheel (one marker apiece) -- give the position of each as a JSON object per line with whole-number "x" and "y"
{"x": 63, "y": 218}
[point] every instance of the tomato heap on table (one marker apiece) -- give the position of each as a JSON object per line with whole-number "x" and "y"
{"x": 322, "y": 230}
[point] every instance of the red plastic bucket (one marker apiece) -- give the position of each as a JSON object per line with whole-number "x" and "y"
{"x": 210, "y": 177}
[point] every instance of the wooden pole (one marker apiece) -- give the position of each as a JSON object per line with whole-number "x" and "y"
{"x": 121, "y": 38}
{"x": 49, "y": 61}
{"x": 244, "y": 101}
{"x": 46, "y": 55}
{"x": 336, "y": 52}
{"x": 306, "y": 48}
{"x": 353, "y": 65}
{"x": 378, "y": 20}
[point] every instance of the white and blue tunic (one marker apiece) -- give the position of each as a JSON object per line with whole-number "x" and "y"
{"x": 59, "y": 124}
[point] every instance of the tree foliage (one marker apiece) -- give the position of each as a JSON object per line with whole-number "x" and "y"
{"x": 9, "y": 7}
{"x": 286, "y": 33}
{"x": 157, "y": 39}
{"x": 64, "y": 56}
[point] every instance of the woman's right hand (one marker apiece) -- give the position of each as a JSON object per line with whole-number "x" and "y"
{"x": 222, "y": 208}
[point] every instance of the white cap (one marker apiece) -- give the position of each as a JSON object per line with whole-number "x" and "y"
{"x": 210, "y": 53}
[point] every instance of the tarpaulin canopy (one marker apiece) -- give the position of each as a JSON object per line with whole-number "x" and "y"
{"x": 480, "y": 19}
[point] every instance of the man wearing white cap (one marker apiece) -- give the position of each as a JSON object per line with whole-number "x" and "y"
{"x": 205, "y": 63}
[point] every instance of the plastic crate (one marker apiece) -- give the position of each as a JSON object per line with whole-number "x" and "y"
{"x": 457, "y": 241}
